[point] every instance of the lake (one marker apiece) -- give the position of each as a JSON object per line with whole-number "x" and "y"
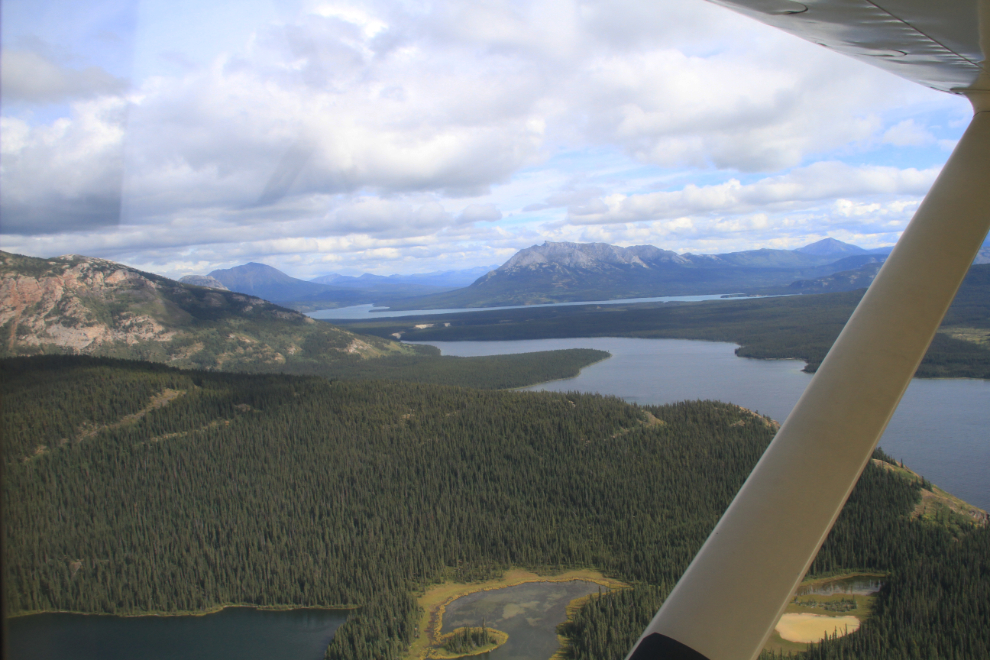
{"x": 236, "y": 632}
{"x": 370, "y": 311}
{"x": 940, "y": 429}
{"x": 529, "y": 613}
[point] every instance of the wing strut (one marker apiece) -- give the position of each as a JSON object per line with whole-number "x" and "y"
{"x": 727, "y": 603}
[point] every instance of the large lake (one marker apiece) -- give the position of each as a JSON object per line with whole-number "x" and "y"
{"x": 941, "y": 429}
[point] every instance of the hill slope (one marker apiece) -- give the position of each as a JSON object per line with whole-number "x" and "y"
{"x": 75, "y": 304}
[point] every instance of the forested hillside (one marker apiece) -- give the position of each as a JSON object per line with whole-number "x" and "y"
{"x": 132, "y": 487}
{"x": 935, "y": 603}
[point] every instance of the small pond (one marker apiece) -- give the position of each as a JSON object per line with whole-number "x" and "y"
{"x": 529, "y": 613}
{"x": 857, "y": 585}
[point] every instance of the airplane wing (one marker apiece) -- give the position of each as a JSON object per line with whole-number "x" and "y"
{"x": 727, "y": 603}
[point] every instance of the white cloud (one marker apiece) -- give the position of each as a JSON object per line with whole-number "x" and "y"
{"x": 908, "y": 134}
{"x": 479, "y": 213}
{"x": 66, "y": 174}
{"x": 815, "y": 183}
{"x": 384, "y": 131}
{"x": 27, "y": 76}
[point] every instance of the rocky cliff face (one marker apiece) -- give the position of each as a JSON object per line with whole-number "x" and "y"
{"x": 74, "y": 304}
{"x": 68, "y": 302}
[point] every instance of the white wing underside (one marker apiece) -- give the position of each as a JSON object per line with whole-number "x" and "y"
{"x": 933, "y": 42}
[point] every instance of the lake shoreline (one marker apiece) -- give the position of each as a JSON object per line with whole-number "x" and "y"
{"x": 523, "y": 388}
{"x": 192, "y": 613}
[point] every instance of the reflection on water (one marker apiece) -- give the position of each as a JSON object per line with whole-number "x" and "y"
{"x": 529, "y": 613}
{"x": 239, "y": 633}
{"x": 858, "y": 585}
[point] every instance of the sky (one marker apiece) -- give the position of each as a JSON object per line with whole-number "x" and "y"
{"x": 318, "y": 136}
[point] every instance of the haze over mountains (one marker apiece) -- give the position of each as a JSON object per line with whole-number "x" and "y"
{"x": 334, "y": 289}
{"x": 556, "y": 272}
{"x": 566, "y": 272}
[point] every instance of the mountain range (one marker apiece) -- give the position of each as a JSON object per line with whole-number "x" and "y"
{"x": 553, "y": 272}
{"x": 447, "y": 279}
{"x": 331, "y": 290}
{"x": 567, "y": 272}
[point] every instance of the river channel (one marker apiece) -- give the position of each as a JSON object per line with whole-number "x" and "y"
{"x": 940, "y": 428}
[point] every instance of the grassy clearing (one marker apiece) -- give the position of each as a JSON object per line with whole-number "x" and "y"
{"x": 978, "y": 336}
{"x": 809, "y": 628}
{"x": 434, "y": 600}
{"x": 808, "y": 617}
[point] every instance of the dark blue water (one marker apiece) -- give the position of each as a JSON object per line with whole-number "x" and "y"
{"x": 236, "y": 633}
{"x": 941, "y": 428}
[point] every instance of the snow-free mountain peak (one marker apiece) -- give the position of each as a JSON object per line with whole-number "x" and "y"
{"x": 587, "y": 256}
{"x": 830, "y": 247}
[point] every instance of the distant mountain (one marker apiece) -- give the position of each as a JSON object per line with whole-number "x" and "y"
{"x": 203, "y": 280}
{"x": 560, "y": 272}
{"x": 263, "y": 281}
{"x": 448, "y": 279}
{"x": 830, "y": 247}
{"x": 75, "y": 304}
{"x": 333, "y": 290}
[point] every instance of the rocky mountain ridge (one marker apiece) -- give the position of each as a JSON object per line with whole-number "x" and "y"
{"x": 203, "y": 280}
{"x": 571, "y": 272}
{"x": 75, "y": 304}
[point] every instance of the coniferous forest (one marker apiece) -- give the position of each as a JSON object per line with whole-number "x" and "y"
{"x": 132, "y": 487}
